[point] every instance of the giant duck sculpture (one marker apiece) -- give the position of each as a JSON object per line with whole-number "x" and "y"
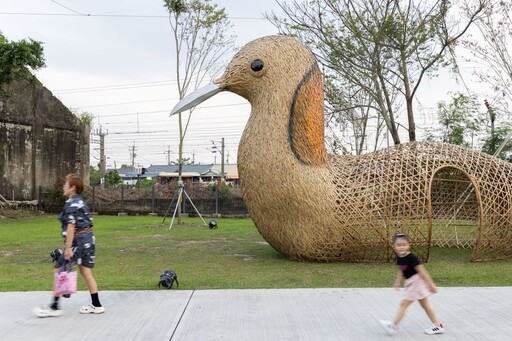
{"x": 310, "y": 205}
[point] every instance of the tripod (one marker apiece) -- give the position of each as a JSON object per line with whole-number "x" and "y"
{"x": 179, "y": 194}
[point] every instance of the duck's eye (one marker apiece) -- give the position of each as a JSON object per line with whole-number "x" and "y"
{"x": 257, "y": 65}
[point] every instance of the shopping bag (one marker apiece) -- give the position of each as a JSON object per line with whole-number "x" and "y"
{"x": 65, "y": 281}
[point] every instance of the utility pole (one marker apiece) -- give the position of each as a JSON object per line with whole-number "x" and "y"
{"x": 103, "y": 157}
{"x": 221, "y": 151}
{"x": 103, "y": 168}
{"x": 132, "y": 153}
{"x": 222, "y": 163}
{"x": 168, "y": 155}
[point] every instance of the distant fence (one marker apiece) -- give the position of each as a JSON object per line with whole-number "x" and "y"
{"x": 158, "y": 199}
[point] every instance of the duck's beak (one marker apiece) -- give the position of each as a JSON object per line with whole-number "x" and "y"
{"x": 195, "y": 98}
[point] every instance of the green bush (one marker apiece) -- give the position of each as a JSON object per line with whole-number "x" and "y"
{"x": 224, "y": 191}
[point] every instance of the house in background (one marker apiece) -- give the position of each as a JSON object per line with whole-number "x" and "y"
{"x": 190, "y": 174}
{"x": 130, "y": 176}
{"x": 169, "y": 174}
{"x": 194, "y": 173}
{"x": 202, "y": 174}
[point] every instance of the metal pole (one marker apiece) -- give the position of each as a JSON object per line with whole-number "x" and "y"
{"x": 103, "y": 163}
{"x": 216, "y": 199}
{"x": 222, "y": 162}
{"x": 170, "y": 205}
{"x": 195, "y": 208}
{"x": 503, "y": 144}
{"x": 153, "y": 199}
{"x": 177, "y": 205}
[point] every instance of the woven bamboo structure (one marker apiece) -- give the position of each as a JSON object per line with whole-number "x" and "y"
{"x": 311, "y": 205}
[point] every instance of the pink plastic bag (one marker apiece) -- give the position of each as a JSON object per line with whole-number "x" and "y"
{"x": 65, "y": 282}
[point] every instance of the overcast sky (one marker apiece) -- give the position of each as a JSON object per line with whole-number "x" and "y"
{"x": 119, "y": 68}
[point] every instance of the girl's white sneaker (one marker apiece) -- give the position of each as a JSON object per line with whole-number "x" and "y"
{"x": 390, "y": 328}
{"x": 435, "y": 330}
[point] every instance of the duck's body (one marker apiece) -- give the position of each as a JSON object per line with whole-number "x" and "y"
{"x": 311, "y": 205}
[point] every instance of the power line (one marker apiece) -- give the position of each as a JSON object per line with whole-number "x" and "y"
{"x": 72, "y": 10}
{"x": 131, "y": 102}
{"x": 110, "y": 88}
{"x": 86, "y": 15}
{"x": 231, "y": 139}
{"x": 117, "y": 85}
{"x": 147, "y": 16}
{"x": 168, "y": 110}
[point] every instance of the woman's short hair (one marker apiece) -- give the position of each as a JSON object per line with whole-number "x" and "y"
{"x": 75, "y": 180}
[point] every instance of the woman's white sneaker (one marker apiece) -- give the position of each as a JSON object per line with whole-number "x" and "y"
{"x": 90, "y": 309}
{"x": 47, "y": 312}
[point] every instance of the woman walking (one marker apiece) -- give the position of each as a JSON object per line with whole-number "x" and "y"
{"x": 79, "y": 246}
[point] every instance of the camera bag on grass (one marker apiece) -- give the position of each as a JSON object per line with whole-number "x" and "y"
{"x": 167, "y": 279}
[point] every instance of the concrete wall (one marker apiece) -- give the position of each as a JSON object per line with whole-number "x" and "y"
{"x": 40, "y": 141}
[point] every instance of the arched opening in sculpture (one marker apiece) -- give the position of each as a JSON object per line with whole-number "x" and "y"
{"x": 455, "y": 213}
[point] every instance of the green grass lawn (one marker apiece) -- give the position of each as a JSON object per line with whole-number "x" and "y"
{"x": 132, "y": 251}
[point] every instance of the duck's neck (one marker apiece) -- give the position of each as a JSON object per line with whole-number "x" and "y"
{"x": 306, "y": 120}
{"x": 290, "y": 122}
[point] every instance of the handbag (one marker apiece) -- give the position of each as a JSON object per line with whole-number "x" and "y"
{"x": 65, "y": 281}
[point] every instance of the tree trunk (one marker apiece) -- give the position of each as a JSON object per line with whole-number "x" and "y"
{"x": 410, "y": 120}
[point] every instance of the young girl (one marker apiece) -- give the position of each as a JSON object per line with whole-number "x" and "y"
{"x": 418, "y": 285}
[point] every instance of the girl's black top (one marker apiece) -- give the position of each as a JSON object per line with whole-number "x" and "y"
{"x": 407, "y": 265}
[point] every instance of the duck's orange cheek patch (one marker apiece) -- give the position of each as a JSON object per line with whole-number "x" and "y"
{"x": 306, "y": 127}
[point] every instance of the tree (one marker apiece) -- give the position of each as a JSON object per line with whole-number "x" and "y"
{"x": 146, "y": 183}
{"x": 19, "y": 59}
{"x": 498, "y": 141}
{"x": 184, "y": 161}
{"x": 500, "y": 137}
{"x": 113, "y": 179}
{"x": 351, "y": 119}
{"x": 460, "y": 121}
{"x": 491, "y": 48}
{"x": 200, "y": 39}
{"x": 383, "y": 48}
{"x": 86, "y": 117}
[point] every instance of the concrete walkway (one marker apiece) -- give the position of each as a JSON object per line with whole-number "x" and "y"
{"x": 273, "y": 314}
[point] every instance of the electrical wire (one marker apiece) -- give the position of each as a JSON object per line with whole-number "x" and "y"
{"x": 78, "y": 14}
{"x": 72, "y": 10}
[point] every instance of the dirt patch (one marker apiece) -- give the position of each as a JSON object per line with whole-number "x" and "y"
{"x": 7, "y": 253}
{"x": 19, "y": 214}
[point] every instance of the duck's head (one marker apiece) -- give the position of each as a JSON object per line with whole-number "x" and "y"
{"x": 262, "y": 65}
{"x": 278, "y": 75}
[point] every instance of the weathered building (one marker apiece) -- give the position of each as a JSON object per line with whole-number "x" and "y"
{"x": 40, "y": 141}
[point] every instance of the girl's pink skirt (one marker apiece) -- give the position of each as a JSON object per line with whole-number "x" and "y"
{"x": 416, "y": 288}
